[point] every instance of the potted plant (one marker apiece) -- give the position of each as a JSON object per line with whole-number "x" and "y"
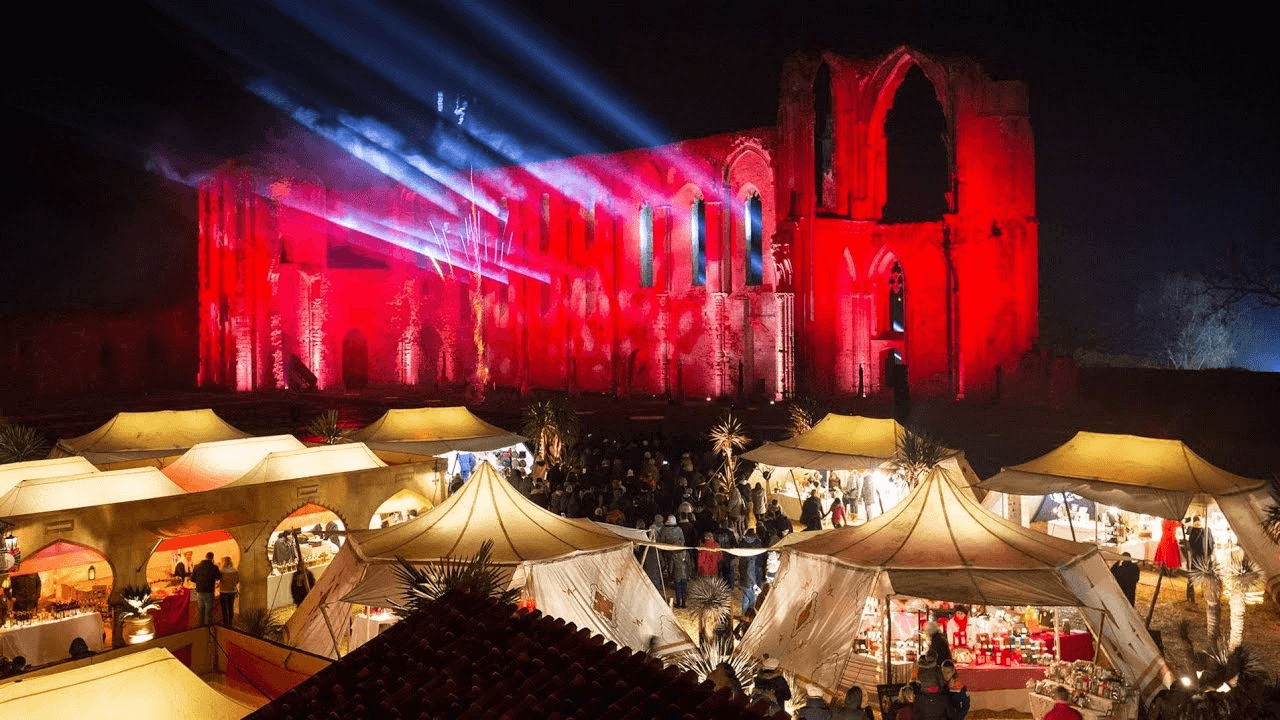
{"x": 135, "y": 608}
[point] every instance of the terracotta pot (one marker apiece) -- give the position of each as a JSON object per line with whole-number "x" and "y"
{"x": 138, "y": 629}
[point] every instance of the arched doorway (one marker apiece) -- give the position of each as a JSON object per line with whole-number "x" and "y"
{"x": 168, "y": 573}
{"x": 319, "y": 537}
{"x": 404, "y": 506}
{"x": 355, "y": 361}
{"x": 61, "y": 577}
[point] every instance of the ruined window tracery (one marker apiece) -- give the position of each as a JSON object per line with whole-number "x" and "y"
{"x": 917, "y": 154}
{"x": 698, "y": 241}
{"x": 823, "y": 134}
{"x": 646, "y": 246}
{"x": 754, "y": 225}
{"x": 897, "y": 286}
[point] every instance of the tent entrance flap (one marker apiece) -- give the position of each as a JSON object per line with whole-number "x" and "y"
{"x": 186, "y": 525}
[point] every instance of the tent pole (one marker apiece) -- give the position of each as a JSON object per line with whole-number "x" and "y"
{"x": 1097, "y": 640}
{"x": 888, "y": 640}
{"x": 1070, "y": 523}
{"x": 1151, "y": 611}
{"x": 1057, "y": 636}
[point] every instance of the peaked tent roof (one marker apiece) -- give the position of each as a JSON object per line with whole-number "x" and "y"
{"x": 487, "y": 508}
{"x": 210, "y": 465}
{"x": 1139, "y": 474}
{"x": 434, "y": 431}
{"x": 131, "y": 436}
{"x": 309, "y": 462}
{"x": 147, "y": 685}
{"x": 836, "y": 442}
{"x": 78, "y": 491}
{"x": 940, "y": 543}
{"x": 13, "y": 473}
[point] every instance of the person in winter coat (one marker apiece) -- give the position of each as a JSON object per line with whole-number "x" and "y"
{"x": 852, "y": 708}
{"x": 709, "y": 561}
{"x": 770, "y": 678}
{"x": 758, "y": 502}
{"x": 815, "y": 706}
{"x": 811, "y": 512}
{"x": 681, "y": 569}
{"x": 750, "y": 570}
{"x": 737, "y": 511}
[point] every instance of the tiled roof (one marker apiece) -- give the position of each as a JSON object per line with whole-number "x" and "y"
{"x": 470, "y": 658}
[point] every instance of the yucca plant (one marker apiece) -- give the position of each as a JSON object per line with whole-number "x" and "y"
{"x": 136, "y": 601}
{"x": 919, "y": 451}
{"x": 553, "y": 426}
{"x": 1244, "y": 578}
{"x": 423, "y": 584}
{"x": 709, "y": 598}
{"x": 19, "y": 443}
{"x": 326, "y": 427}
{"x": 710, "y": 655}
{"x": 802, "y": 414}
{"x": 1206, "y": 574}
{"x": 260, "y": 623}
{"x": 726, "y": 437}
{"x": 1271, "y": 516}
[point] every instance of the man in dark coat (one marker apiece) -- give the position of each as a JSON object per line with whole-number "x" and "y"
{"x": 811, "y": 512}
{"x": 1126, "y": 573}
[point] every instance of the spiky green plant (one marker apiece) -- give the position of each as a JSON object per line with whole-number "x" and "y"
{"x": 1271, "y": 516}
{"x": 709, "y": 598}
{"x": 1205, "y": 574}
{"x": 19, "y": 443}
{"x": 710, "y": 655}
{"x": 423, "y": 584}
{"x": 136, "y": 601}
{"x": 326, "y": 427}
{"x": 553, "y": 426}
{"x": 919, "y": 451}
{"x": 1243, "y": 578}
{"x": 727, "y": 436}
{"x": 802, "y": 414}
{"x": 260, "y": 623}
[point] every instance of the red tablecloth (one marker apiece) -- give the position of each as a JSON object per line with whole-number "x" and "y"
{"x": 174, "y": 614}
{"x": 979, "y": 678}
{"x": 1076, "y": 646}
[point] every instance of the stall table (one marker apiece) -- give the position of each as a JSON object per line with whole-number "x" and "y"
{"x": 1098, "y": 709}
{"x": 50, "y": 640}
{"x": 1075, "y": 646}
{"x": 278, "y": 594}
{"x": 365, "y": 627}
{"x": 996, "y": 687}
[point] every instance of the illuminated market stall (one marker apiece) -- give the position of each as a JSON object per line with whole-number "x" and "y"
{"x": 940, "y": 546}
{"x": 849, "y": 454}
{"x": 1136, "y": 484}
{"x": 210, "y": 465}
{"x": 571, "y": 569}
{"x": 134, "y": 439}
{"x": 452, "y": 433}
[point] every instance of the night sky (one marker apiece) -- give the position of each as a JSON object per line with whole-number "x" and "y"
{"x": 1155, "y": 127}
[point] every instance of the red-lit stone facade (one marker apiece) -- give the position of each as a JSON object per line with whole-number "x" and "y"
{"x": 594, "y": 281}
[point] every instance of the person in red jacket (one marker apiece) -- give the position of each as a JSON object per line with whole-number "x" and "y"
{"x": 1062, "y": 709}
{"x": 709, "y": 561}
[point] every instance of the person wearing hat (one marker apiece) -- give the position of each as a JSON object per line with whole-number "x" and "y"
{"x": 815, "y": 706}
{"x": 677, "y": 561}
{"x": 770, "y": 679}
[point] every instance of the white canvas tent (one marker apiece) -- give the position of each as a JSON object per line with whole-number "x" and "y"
{"x": 1151, "y": 476}
{"x": 52, "y": 494}
{"x": 939, "y": 544}
{"x": 836, "y": 442}
{"x": 13, "y": 473}
{"x": 405, "y": 435}
{"x": 211, "y": 465}
{"x": 309, "y": 462}
{"x": 146, "y": 438}
{"x": 571, "y": 569}
{"x": 147, "y": 685}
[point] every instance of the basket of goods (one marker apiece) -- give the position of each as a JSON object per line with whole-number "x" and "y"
{"x": 962, "y": 655}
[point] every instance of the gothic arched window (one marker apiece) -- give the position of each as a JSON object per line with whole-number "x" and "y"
{"x": 646, "y": 246}
{"x": 754, "y": 224}
{"x": 698, "y": 241}
{"x": 897, "y": 286}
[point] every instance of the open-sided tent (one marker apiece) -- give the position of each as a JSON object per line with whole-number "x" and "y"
{"x": 13, "y": 473}
{"x": 836, "y": 442}
{"x": 571, "y": 569}
{"x": 147, "y": 685}
{"x": 415, "y": 433}
{"x": 309, "y": 462}
{"x": 131, "y": 439}
{"x": 211, "y": 465}
{"x": 1151, "y": 476}
{"x": 939, "y": 544}
{"x": 52, "y": 494}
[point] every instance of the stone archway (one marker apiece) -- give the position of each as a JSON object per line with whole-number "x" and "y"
{"x": 355, "y": 360}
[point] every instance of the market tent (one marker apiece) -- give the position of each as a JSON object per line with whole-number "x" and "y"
{"x": 1150, "y": 476}
{"x": 147, "y": 685}
{"x": 939, "y": 544}
{"x": 59, "y": 554}
{"x": 419, "y": 432}
{"x": 131, "y": 439}
{"x": 211, "y": 465}
{"x": 575, "y": 570}
{"x": 309, "y": 462}
{"x": 836, "y": 442}
{"x": 77, "y": 491}
{"x": 13, "y": 473}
